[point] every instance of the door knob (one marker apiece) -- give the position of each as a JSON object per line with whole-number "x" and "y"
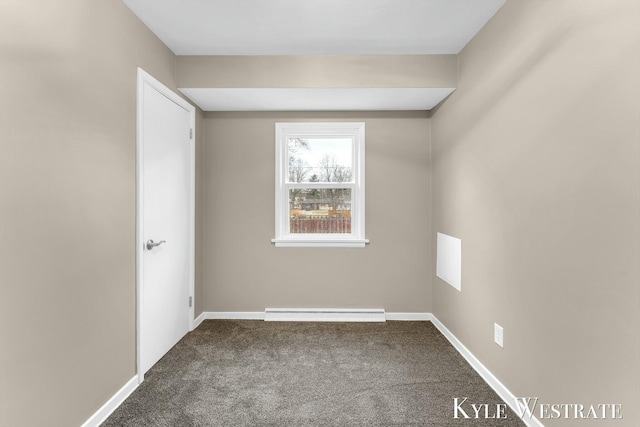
{"x": 151, "y": 244}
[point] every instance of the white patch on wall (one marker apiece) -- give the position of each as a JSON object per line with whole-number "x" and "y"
{"x": 449, "y": 260}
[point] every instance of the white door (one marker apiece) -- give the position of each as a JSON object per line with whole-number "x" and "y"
{"x": 165, "y": 221}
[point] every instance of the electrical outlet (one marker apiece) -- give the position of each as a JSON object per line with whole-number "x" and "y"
{"x": 498, "y": 334}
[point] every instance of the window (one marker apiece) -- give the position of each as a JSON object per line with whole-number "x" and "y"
{"x": 320, "y": 185}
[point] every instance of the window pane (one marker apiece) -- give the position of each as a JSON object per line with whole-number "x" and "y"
{"x": 315, "y": 211}
{"x": 320, "y": 159}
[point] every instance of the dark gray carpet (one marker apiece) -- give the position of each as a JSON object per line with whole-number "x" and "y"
{"x": 255, "y": 373}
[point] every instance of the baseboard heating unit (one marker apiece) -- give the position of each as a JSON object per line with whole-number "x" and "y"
{"x": 323, "y": 315}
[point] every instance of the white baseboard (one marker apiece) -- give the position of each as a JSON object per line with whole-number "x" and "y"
{"x": 198, "y": 320}
{"x": 112, "y": 404}
{"x": 323, "y": 315}
{"x": 409, "y": 316}
{"x": 486, "y": 375}
{"x": 230, "y": 315}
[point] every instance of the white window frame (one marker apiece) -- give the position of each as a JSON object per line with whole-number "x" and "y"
{"x": 353, "y": 130}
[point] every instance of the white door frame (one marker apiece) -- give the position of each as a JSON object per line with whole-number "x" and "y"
{"x": 145, "y": 78}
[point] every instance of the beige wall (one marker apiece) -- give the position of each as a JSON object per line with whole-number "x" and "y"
{"x": 67, "y": 204}
{"x": 317, "y": 71}
{"x": 243, "y": 271}
{"x": 536, "y": 168}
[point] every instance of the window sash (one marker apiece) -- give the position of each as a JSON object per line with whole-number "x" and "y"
{"x": 329, "y": 219}
{"x": 353, "y": 151}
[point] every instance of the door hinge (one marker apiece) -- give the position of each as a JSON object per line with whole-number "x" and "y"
{"x": 191, "y": 133}
{"x": 190, "y": 301}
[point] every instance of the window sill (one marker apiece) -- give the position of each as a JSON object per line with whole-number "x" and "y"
{"x": 320, "y": 243}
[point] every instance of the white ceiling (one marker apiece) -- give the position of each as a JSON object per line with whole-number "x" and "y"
{"x": 353, "y": 99}
{"x": 314, "y": 27}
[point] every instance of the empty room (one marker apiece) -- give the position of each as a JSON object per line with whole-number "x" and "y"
{"x": 319, "y": 213}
